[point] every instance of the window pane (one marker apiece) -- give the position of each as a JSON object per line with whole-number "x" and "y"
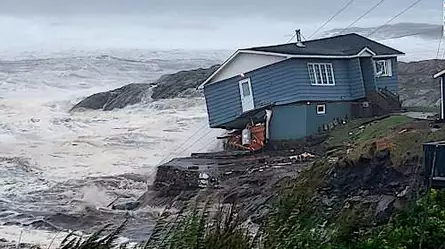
{"x": 246, "y": 89}
{"x": 311, "y": 73}
{"x": 380, "y": 68}
{"x": 321, "y": 109}
{"x": 323, "y": 74}
{"x": 330, "y": 75}
{"x": 317, "y": 73}
{"x": 328, "y": 68}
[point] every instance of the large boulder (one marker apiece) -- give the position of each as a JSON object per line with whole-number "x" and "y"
{"x": 174, "y": 85}
{"x": 180, "y": 84}
{"x": 118, "y": 98}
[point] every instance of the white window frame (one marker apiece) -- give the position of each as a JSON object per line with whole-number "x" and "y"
{"x": 324, "y": 109}
{"x": 249, "y": 87}
{"x": 387, "y": 68}
{"x": 317, "y": 68}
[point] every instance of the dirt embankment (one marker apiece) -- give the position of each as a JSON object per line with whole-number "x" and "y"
{"x": 374, "y": 166}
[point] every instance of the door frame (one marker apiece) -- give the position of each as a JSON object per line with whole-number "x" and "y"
{"x": 244, "y": 107}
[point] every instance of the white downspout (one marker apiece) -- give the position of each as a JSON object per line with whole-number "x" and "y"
{"x": 442, "y": 111}
{"x": 268, "y": 117}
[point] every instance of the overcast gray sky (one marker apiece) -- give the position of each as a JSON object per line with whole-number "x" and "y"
{"x": 292, "y": 10}
{"x": 166, "y": 24}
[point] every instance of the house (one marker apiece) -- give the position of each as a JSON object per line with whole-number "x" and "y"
{"x": 441, "y": 75}
{"x": 303, "y": 87}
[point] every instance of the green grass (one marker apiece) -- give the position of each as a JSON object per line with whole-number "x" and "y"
{"x": 381, "y": 128}
{"x": 295, "y": 223}
{"x": 403, "y": 143}
{"x": 353, "y": 132}
{"x": 341, "y": 134}
{"x": 420, "y": 225}
{"x": 195, "y": 231}
{"x": 434, "y": 109}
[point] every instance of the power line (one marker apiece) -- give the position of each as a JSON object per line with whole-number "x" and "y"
{"x": 291, "y": 38}
{"x": 363, "y": 15}
{"x": 331, "y": 18}
{"x": 438, "y": 48}
{"x": 183, "y": 143}
{"x": 183, "y": 150}
{"x": 393, "y": 18}
{"x": 294, "y": 37}
{"x": 443, "y": 54}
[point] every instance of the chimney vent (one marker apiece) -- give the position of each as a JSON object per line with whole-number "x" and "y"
{"x": 299, "y": 42}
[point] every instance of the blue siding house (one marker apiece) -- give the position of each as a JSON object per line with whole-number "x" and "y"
{"x": 306, "y": 86}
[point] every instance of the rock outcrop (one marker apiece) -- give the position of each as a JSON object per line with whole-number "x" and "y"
{"x": 118, "y": 98}
{"x": 417, "y": 86}
{"x": 180, "y": 84}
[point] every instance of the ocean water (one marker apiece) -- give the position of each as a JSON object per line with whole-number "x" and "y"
{"x": 59, "y": 170}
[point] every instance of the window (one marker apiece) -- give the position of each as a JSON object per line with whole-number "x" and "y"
{"x": 382, "y": 68}
{"x": 321, "y": 109}
{"x": 321, "y": 74}
{"x": 246, "y": 88}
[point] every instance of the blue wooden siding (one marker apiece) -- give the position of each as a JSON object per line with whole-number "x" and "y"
{"x": 389, "y": 81}
{"x": 223, "y": 101}
{"x": 367, "y": 68}
{"x": 288, "y": 122}
{"x": 288, "y": 82}
{"x": 298, "y": 120}
{"x": 356, "y": 79}
{"x": 283, "y": 83}
{"x": 335, "y": 110}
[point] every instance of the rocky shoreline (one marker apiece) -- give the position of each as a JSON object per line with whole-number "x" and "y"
{"x": 177, "y": 85}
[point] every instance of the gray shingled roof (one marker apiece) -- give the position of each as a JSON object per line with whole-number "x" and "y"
{"x": 342, "y": 45}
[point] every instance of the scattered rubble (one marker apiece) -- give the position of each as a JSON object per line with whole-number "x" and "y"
{"x": 371, "y": 183}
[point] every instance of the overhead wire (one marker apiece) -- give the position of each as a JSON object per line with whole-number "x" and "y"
{"x": 186, "y": 148}
{"x": 362, "y": 16}
{"x": 441, "y": 37}
{"x": 184, "y": 142}
{"x": 291, "y": 38}
{"x": 331, "y": 18}
{"x": 394, "y": 17}
{"x": 294, "y": 37}
{"x": 438, "y": 47}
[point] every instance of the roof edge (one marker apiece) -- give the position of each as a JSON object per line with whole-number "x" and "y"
{"x": 288, "y": 56}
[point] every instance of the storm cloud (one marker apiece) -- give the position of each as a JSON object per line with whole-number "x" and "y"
{"x": 294, "y": 10}
{"x": 199, "y": 24}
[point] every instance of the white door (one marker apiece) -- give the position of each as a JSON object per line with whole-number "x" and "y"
{"x": 245, "y": 89}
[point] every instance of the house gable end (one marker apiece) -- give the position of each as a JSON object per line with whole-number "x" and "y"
{"x": 242, "y": 62}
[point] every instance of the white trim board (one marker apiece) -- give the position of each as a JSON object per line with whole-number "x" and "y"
{"x": 366, "y": 52}
{"x": 437, "y": 75}
{"x": 442, "y": 108}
